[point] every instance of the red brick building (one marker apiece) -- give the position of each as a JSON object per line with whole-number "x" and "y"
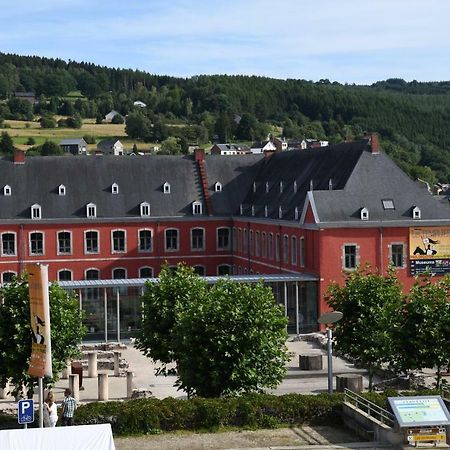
{"x": 314, "y": 214}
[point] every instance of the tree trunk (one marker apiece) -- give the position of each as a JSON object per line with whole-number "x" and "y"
{"x": 370, "y": 378}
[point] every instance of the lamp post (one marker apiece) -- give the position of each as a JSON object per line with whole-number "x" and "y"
{"x": 328, "y": 319}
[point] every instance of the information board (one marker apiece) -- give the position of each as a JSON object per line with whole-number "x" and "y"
{"x": 419, "y": 411}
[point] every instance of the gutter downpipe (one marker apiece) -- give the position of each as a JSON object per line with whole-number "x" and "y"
{"x": 381, "y": 251}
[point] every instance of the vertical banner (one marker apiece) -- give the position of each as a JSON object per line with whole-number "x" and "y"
{"x": 41, "y": 352}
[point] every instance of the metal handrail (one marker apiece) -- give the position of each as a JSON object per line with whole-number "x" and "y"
{"x": 369, "y": 407}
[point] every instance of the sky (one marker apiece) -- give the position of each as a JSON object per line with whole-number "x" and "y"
{"x": 349, "y": 41}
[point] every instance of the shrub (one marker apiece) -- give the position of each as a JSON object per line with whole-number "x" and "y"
{"x": 89, "y": 138}
{"x": 31, "y": 141}
{"x": 48, "y": 122}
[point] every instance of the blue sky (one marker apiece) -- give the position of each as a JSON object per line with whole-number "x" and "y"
{"x": 354, "y": 41}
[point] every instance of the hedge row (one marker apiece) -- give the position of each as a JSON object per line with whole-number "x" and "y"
{"x": 249, "y": 411}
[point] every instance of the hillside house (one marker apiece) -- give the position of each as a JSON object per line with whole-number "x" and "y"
{"x": 74, "y": 146}
{"x": 110, "y": 147}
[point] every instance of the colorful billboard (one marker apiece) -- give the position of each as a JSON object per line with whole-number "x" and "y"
{"x": 40, "y": 362}
{"x": 429, "y": 250}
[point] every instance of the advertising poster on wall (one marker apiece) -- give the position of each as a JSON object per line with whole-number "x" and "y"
{"x": 429, "y": 250}
{"x": 40, "y": 362}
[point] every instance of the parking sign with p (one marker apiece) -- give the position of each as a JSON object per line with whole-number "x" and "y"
{"x": 26, "y": 411}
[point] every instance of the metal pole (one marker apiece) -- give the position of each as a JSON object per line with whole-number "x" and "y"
{"x": 330, "y": 360}
{"x": 41, "y": 402}
{"x": 118, "y": 315}
{"x": 297, "y": 325}
{"x": 105, "y": 306}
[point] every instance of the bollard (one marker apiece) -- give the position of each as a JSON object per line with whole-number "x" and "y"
{"x": 116, "y": 363}
{"x": 92, "y": 364}
{"x": 130, "y": 376}
{"x": 103, "y": 393}
{"x": 74, "y": 386}
{"x": 4, "y": 391}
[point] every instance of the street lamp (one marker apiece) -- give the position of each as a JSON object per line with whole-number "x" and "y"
{"x": 328, "y": 319}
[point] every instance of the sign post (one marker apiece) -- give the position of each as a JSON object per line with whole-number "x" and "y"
{"x": 25, "y": 412}
{"x": 329, "y": 318}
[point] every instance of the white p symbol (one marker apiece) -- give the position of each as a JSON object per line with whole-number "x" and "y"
{"x": 24, "y": 406}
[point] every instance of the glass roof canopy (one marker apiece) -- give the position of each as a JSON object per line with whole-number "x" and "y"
{"x": 140, "y": 282}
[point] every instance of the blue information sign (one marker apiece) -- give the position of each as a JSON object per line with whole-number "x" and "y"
{"x": 26, "y": 411}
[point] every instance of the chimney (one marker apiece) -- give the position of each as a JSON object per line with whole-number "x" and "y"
{"x": 199, "y": 154}
{"x": 374, "y": 143}
{"x": 19, "y": 156}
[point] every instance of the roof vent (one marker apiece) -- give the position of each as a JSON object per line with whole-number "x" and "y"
{"x": 267, "y": 187}
{"x": 7, "y": 190}
{"x": 254, "y": 186}
{"x": 330, "y": 184}
{"x": 115, "y": 188}
{"x": 295, "y": 186}
{"x": 311, "y": 185}
{"x": 266, "y": 211}
{"x": 166, "y": 188}
{"x": 280, "y": 212}
{"x": 61, "y": 190}
{"x": 253, "y": 210}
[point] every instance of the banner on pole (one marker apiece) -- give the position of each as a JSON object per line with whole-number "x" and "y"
{"x": 41, "y": 351}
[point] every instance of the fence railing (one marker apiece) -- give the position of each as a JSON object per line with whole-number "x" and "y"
{"x": 369, "y": 407}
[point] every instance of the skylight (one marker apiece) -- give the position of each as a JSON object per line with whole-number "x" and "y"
{"x": 388, "y": 203}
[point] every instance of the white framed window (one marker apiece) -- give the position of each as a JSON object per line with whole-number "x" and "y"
{"x": 397, "y": 255}
{"x": 285, "y": 248}
{"x": 218, "y": 187}
{"x": 92, "y": 274}
{"x": 64, "y": 275}
{"x": 196, "y": 208}
{"x": 118, "y": 241}
{"x": 350, "y": 256}
{"x": 223, "y": 238}
{"x": 145, "y": 209}
{"x": 8, "y": 243}
{"x": 145, "y": 272}
{"x": 119, "y": 273}
{"x": 64, "y": 242}
{"x": 7, "y": 277}
{"x": 172, "y": 241}
{"x": 166, "y": 188}
{"x": 91, "y": 210}
{"x": 197, "y": 239}
{"x": 36, "y": 243}
{"x": 114, "y": 188}
{"x": 7, "y": 191}
{"x": 36, "y": 211}
{"x": 417, "y": 214}
{"x": 293, "y": 250}
{"x": 199, "y": 270}
{"x": 302, "y": 251}
{"x": 91, "y": 241}
{"x": 223, "y": 269}
{"x": 364, "y": 214}
{"x": 145, "y": 237}
{"x": 61, "y": 190}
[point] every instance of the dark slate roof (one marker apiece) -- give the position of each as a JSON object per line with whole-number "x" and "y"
{"x": 376, "y": 177}
{"x": 236, "y": 174}
{"x": 89, "y": 179}
{"x": 306, "y": 167}
{"x": 106, "y": 144}
{"x": 259, "y": 144}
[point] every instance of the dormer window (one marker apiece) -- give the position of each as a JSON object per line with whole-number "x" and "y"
{"x": 253, "y": 210}
{"x": 196, "y": 208}
{"x": 145, "y": 209}
{"x": 295, "y": 187}
{"x": 417, "y": 214}
{"x": 218, "y": 187}
{"x": 281, "y": 187}
{"x": 241, "y": 209}
{"x": 91, "y": 210}
{"x": 7, "y": 190}
{"x": 36, "y": 211}
{"x": 364, "y": 214}
{"x": 61, "y": 190}
{"x": 280, "y": 212}
{"x": 166, "y": 188}
{"x": 266, "y": 211}
{"x": 296, "y": 213}
{"x": 254, "y": 186}
{"x": 115, "y": 188}
{"x": 267, "y": 187}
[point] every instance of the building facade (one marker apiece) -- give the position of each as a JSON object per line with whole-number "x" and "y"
{"x": 314, "y": 214}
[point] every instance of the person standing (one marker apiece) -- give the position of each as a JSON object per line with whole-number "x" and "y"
{"x": 50, "y": 412}
{"x": 68, "y": 407}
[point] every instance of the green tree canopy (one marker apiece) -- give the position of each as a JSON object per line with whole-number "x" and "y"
{"x": 225, "y": 339}
{"x": 368, "y": 302}
{"x": 6, "y": 143}
{"x": 67, "y": 331}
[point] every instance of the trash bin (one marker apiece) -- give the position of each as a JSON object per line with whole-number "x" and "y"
{"x": 77, "y": 368}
